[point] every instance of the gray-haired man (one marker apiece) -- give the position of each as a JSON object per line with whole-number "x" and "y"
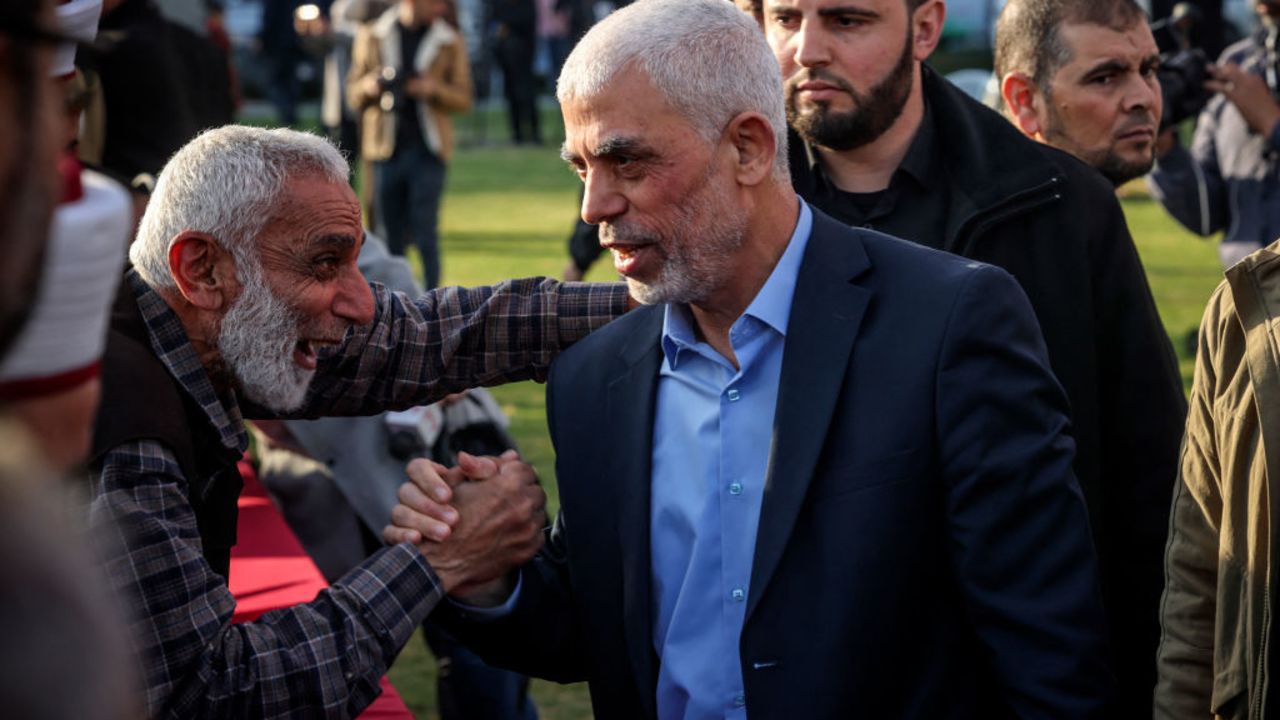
{"x": 245, "y": 300}
{"x": 836, "y": 477}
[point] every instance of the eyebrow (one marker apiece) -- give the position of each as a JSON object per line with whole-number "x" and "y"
{"x": 847, "y": 10}
{"x": 336, "y": 241}
{"x": 1109, "y": 65}
{"x": 609, "y": 147}
{"x": 1114, "y": 65}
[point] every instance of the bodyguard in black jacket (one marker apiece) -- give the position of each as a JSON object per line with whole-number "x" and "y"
{"x": 1055, "y": 225}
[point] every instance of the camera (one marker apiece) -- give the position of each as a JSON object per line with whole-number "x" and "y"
{"x": 1183, "y": 67}
{"x": 1182, "y": 77}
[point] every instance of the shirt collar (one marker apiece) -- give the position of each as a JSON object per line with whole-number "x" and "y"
{"x": 771, "y": 305}
{"x": 170, "y": 342}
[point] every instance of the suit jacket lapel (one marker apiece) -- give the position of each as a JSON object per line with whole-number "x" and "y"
{"x": 826, "y": 311}
{"x": 631, "y": 398}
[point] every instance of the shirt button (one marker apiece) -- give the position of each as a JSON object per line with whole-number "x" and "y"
{"x": 739, "y": 700}
{"x": 733, "y": 395}
{"x": 738, "y": 594}
{"x": 735, "y": 488}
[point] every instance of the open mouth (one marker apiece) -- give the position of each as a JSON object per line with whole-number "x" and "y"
{"x": 627, "y": 259}
{"x": 305, "y": 352}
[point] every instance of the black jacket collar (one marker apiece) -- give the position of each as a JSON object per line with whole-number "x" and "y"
{"x": 988, "y": 166}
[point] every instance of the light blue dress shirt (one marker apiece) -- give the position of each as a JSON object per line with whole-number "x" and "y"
{"x": 712, "y": 433}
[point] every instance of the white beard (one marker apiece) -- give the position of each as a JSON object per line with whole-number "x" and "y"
{"x": 699, "y": 260}
{"x": 257, "y": 340}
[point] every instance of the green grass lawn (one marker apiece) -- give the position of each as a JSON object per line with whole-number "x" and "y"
{"x": 508, "y": 212}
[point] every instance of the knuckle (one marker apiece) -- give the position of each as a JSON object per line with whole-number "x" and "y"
{"x": 399, "y": 515}
{"x": 404, "y": 492}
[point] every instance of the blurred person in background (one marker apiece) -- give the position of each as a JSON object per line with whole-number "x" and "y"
{"x": 330, "y": 35}
{"x": 553, "y": 35}
{"x": 1229, "y": 179}
{"x": 161, "y": 85}
{"x": 62, "y": 655}
{"x": 584, "y": 249}
{"x": 278, "y": 43}
{"x": 49, "y": 376}
{"x": 29, "y": 144}
{"x": 409, "y": 74}
{"x": 1080, "y": 75}
{"x": 515, "y": 25}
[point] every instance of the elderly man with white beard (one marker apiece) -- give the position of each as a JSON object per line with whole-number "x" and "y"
{"x": 245, "y": 301}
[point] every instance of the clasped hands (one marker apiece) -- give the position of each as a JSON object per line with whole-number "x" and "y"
{"x": 474, "y": 523}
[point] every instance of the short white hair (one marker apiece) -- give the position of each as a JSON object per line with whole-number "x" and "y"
{"x": 708, "y": 59}
{"x": 226, "y": 183}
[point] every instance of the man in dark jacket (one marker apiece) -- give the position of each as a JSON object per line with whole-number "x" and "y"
{"x": 886, "y": 143}
{"x": 837, "y": 477}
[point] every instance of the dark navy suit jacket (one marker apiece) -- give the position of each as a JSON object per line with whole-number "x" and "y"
{"x": 923, "y": 549}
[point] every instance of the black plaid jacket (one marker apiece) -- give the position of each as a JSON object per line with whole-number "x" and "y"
{"x": 323, "y": 658}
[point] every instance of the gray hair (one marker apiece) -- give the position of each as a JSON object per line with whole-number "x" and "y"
{"x": 227, "y": 183}
{"x": 708, "y": 59}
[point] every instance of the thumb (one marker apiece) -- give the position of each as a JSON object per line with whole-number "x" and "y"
{"x": 477, "y": 468}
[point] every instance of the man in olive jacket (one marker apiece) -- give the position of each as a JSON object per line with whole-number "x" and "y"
{"x": 884, "y": 142}
{"x": 1216, "y": 615}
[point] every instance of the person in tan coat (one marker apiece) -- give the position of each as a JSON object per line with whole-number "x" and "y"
{"x": 409, "y": 73}
{"x": 1216, "y": 656}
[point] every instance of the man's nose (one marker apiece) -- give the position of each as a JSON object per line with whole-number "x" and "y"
{"x": 354, "y": 301}
{"x": 601, "y": 199}
{"x": 811, "y": 46}
{"x": 1143, "y": 94}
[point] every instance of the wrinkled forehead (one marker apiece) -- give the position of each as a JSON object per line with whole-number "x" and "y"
{"x": 628, "y": 111}
{"x": 312, "y": 206}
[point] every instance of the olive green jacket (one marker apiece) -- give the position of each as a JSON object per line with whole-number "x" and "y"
{"x": 1216, "y": 611}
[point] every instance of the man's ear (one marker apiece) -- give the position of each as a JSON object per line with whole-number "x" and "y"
{"x": 754, "y": 147}
{"x": 204, "y": 271}
{"x": 926, "y": 27}
{"x": 1020, "y": 96}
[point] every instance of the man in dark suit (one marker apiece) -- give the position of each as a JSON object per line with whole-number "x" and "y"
{"x": 825, "y": 473}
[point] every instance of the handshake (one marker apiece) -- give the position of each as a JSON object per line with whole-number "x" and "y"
{"x": 474, "y": 523}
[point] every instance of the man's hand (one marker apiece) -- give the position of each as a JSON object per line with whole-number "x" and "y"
{"x": 421, "y": 86}
{"x": 371, "y": 85}
{"x": 500, "y": 512}
{"x": 1249, "y": 93}
{"x": 424, "y": 511}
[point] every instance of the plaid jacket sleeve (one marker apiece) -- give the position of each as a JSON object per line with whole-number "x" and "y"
{"x": 418, "y": 350}
{"x": 321, "y": 659}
